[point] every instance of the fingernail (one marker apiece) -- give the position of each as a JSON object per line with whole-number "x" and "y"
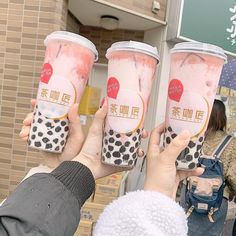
{"x": 21, "y": 132}
{"x": 102, "y": 102}
{"x": 184, "y": 135}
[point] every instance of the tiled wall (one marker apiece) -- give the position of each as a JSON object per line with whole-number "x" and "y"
{"x": 23, "y": 26}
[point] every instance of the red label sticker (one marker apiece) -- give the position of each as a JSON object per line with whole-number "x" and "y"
{"x": 175, "y": 90}
{"x": 113, "y": 87}
{"x": 46, "y": 73}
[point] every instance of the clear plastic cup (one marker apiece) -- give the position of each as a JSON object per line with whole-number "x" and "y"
{"x": 68, "y": 62}
{"x": 194, "y": 77}
{"x": 131, "y": 70}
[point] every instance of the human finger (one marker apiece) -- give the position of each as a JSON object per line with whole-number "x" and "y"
{"x": 28, "y": 119}
{"x": 172, "y": 151}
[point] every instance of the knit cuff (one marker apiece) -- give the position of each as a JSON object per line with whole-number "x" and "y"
{"x": 77, "y": 178}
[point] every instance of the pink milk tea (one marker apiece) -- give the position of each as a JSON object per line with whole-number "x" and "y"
{"x": 131, "y": 69}
{"x": 194, "y": 76}
{"x": 68, "y": 61}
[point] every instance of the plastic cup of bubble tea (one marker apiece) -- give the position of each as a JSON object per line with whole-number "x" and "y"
{"x": 67, "y": 65}
{"x": 131, "y": 69}
{"x": 194, "y": 76}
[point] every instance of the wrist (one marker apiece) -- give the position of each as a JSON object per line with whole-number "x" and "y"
{"x": 87, "y": 162}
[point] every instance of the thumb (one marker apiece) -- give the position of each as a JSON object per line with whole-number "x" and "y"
{"x": 76, "y": 135}
{"x": 176, "y": 146}
{"x": 99, "y": 119}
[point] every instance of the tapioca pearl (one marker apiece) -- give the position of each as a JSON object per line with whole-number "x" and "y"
{"x": 108, "y": 155}
{"x": 57, "y": 148}
{"x": 122, "y": 149}
{"x": 189, "y": 158}
{"x": 139, "y": 138}
{"x": 48, "y": 124}
{"x": 136, "y": 144}
{"x": 117, "y": 135}
{"x": 111, "y": 140}
{"x": 111, "y": 132}
{"x": 118, "y": 161}
{"x": 129, "y": 134}
{"x": 131, "y": 149}
{"x": 50, "y": 132}
{"x": 196, "y": 154}
{"x": 33, "y": 121}
{"x": 130, "y": 162}
{"x": 169, "y": 129}
{"x": 36, "y": 106}
{"x": 33, "y": 137}
{"x": 138, "y": 131}
{"x": 40, "y": 120}
{"x": 176, "y": 163}
{"x": 40, "y": 134}
{"x": 37, "y": 144}
{"x": 66, "y": 128}
{"x": 34, "y": 129}
{"x": 110, "y": 148}
{"x": 48, "y": 146}
{"x": 63, "y": 123}
{"x": 201, "y": 139}
{"x": 179, "y": 158}
{"x": 125, "y": 157}
{"x": 116, "y": 154}
{"x": 191, "y": 144}
{"x": 134, "y": 155}
{"x": 104, "y": 150}
{"x": 199, "y": 147}
{"x": 29, "y": 142}
{"x": 62, "y": 142}
{"x": 168, "y": 140}
{"x": 173, "y": 135}
{"x": 134, "y": 138}
{"x": 186, "y": 151}
{"x": 62, "y": 135}
{"x": 58, "y": 129}
{"x": 55, "y": 140}
{"x": 105, "y": 141}
{"x": 127, "y": 143}
{"x": 192, "y": 165}
{"x": 45, "y": 140}
{"x": 118, "y": 143}
{"x": 56, "y": 121}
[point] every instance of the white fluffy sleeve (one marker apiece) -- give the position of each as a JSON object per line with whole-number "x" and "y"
{"x": 142, "y": 213}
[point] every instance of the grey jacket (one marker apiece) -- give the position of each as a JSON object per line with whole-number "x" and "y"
{"x": 47, "y": 204}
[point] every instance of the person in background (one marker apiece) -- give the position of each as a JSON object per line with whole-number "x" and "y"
{"x": 199, "y": 224}
{"x": 49, "y": 203}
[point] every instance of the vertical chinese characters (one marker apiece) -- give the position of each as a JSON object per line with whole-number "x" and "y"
{"x": 232, "y": 29}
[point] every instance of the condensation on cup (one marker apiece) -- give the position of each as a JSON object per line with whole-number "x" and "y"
{"x": 194, "y": 76}
{"x": 68, "y": 62}
{"x": 131, "y": 70}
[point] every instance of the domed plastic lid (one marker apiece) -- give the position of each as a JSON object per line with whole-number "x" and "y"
{"x": 134, "y": 46}
{"x": 75, "y": 38}
{"x": 200, "y": 48}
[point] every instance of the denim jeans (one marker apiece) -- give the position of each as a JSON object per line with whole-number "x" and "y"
{"x": 199, "y": 224}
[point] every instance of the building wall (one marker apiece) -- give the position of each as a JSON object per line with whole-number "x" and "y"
{"x": 23, "y": 26}
{"x": 104, "y": 38}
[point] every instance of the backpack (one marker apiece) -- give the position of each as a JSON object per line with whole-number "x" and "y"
{"x": 204, "y": 193}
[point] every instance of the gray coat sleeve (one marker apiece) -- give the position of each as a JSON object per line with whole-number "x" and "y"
{"x": 47, "y": 204}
